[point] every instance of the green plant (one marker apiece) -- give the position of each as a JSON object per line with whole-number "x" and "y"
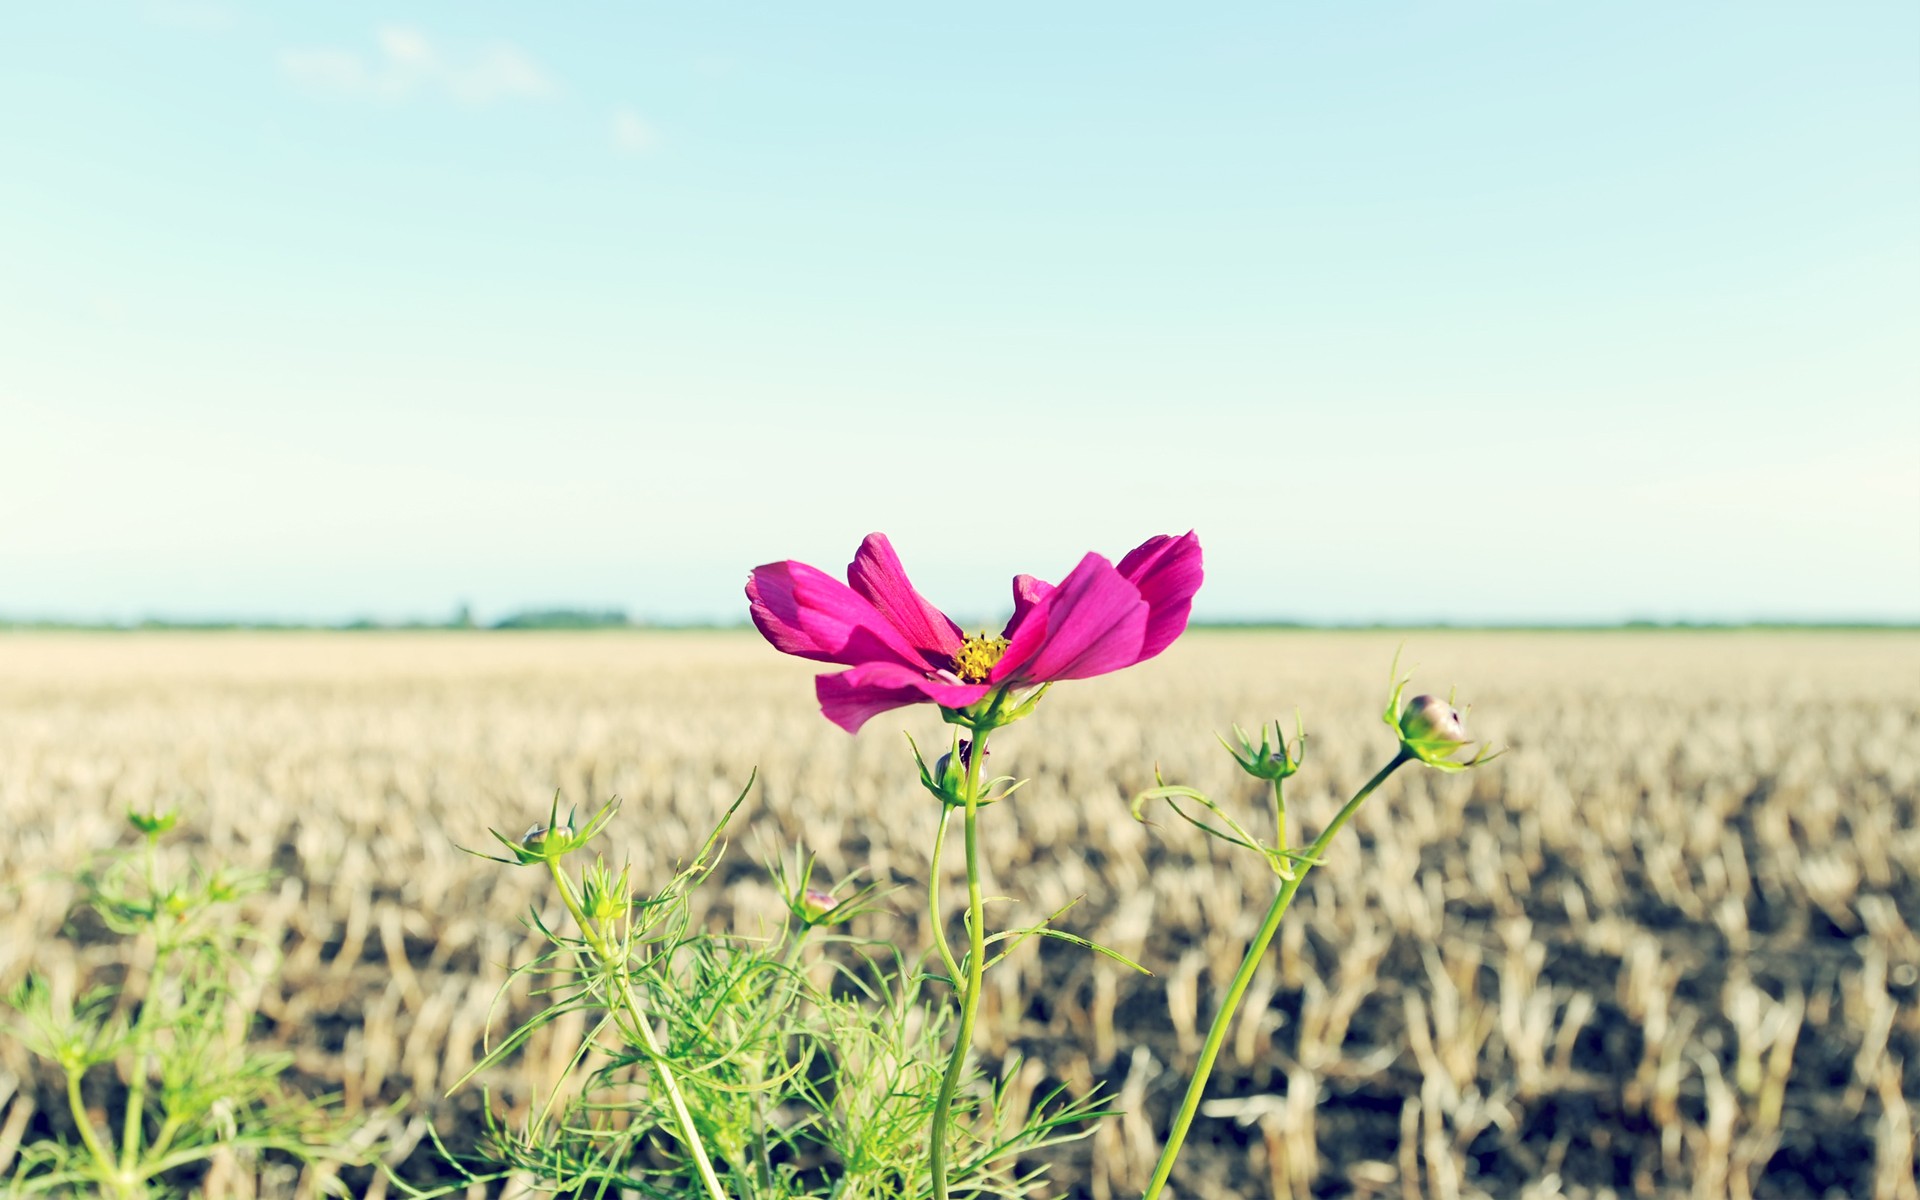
{"x": 1429, "y": 731}
{"x": 805, "y": 1063}
{"x": 160, "y": 1079}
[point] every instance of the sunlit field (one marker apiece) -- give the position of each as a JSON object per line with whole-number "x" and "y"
{"x": 1664, "y": 947}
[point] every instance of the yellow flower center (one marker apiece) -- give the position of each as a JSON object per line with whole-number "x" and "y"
{"x": 976, "y": 657}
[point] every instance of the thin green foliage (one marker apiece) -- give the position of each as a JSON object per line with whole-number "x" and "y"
{"x": 160, "y": 1080}
{"x": 805, "y": 1062}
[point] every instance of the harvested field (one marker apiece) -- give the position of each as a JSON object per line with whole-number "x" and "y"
{"x": 1666, "y": 947}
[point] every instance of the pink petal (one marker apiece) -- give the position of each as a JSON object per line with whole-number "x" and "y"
{"x": 1093, "y": 623}
{"x": 804, "y": 611}
{"x": 851, "y": 698}
{"x": 1167, "y": 572}
{"x": 1028, "y": 592}
{"x": 876, "y": 574}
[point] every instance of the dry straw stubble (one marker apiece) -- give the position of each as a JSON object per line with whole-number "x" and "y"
{"x": 1667, "y": 947}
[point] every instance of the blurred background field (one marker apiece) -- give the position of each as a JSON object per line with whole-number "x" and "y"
{"x": 1665, "y": 947}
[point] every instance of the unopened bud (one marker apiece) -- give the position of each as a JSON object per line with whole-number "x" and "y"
{"x": 815, "y": 904}
{"x": 1432, "y": 730}
{"x": 948, "y": 778}
{"x": 605, "y": 896}
{"x": 536, "y": 836}
{"x": 945, "y": 767}
{"x": 547, "y": 842}
{"x": 1434, "y": 722}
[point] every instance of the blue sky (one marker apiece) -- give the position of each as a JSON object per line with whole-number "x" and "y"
{"x": 1476, "y": 311}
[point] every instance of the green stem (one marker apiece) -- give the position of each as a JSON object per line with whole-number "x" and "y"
{"x": 642, "y": 1032}
{"x": 763, "y": 1157}
{"x": 162, "y": 1142}
{"x": 133, "y": 1123}
{"x": 976, "y": 968}
{"x": 1223, "y": 1020}
{"x": 101, "y": 1155}
{"x": 934, "y": 917}
{"x": 757, "y": 1076}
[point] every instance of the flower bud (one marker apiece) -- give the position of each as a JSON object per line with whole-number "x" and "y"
{"x": 603, "y": 895}
{"x": 954, "y": 767}
{"x": 824, "y": 907}
{"x": 1431, "y": 730}
{"x": 815, "y": 904}
{"x": 551, "y": 840}
{"x": 1432, "y": 721}
{"x": 947, "y": 778}
{"x": 537, "y": 835}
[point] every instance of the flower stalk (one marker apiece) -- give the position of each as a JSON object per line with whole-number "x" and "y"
{"x": 1429, "y": 732}
{"x": 102, "y": 1156}
{"x": 135, "y": 1118}
{"x": 1256, "y": 950}
{"x": 976, "y": 959}
{"x": 936, "y": 921}
{"x": 637, "y": 1027}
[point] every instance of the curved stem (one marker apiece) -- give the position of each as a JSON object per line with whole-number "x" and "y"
{"x": 1256, "y": 950}
{"x": 934, "y": 917}
{"x": 642, "y": 1032}
{"x": 162, "y": 1142}
{"x": 976, "y": 970}
{"x": 101, "y": 1155}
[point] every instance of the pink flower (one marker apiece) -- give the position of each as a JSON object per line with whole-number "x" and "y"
{"x": 902, "y": 650}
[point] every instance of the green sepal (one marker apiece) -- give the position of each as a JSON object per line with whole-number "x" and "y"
{"x": 947, "y": 778}
{"x": 1273, "y": 759}
{"x": 155, "y": 823}
{"x": 992, "y": 710}
{"x": 1025, "y": 705}
{"x": 552, "y": 841}
{"x": 605, "y": 896}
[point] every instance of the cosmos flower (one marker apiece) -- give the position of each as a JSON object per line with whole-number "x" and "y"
{"x": 902, "y": 650}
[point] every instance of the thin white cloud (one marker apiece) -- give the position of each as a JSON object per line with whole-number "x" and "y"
{"x": 205, "y": 16}
{"x": 404, "y": 63}
{"x": 632, "y": 133}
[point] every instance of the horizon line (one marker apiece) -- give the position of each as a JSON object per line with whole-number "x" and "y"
{"x": 613, "y": 621}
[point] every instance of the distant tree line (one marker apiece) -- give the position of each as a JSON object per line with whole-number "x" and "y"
{"x": 532, "y": 618}
{"x": 566, "y": 618}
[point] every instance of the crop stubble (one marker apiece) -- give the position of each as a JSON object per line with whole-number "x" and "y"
{"x": 1666, "y": 947}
